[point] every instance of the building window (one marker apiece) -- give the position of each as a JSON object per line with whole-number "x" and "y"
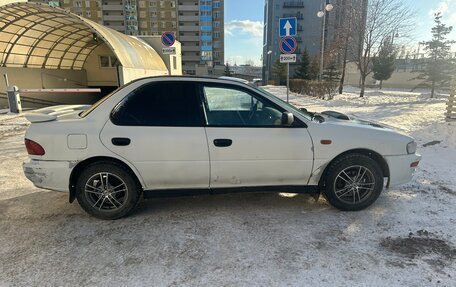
{"x": 87, "y": 4}
{"x": 153, "y": 3}
{"x": 216, "y": 4}
{"x": 88, "y": 14}
{"x": 108, "y": 61}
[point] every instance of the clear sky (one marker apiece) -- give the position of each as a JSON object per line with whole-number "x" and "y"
{"x": 244, "y": 26}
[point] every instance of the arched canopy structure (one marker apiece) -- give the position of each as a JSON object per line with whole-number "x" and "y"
{"x": 34, "y": 35}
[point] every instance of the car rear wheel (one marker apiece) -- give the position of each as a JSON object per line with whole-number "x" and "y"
{"x": 107, "y": 191}
{"x": 353, "y": 182}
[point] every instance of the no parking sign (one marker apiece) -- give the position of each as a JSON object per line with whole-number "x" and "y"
{"x": 168, "y": 39}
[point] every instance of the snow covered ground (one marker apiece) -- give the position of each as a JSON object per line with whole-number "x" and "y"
{"x": 407, "y": 238}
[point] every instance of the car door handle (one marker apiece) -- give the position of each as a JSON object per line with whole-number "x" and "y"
{"x": 222, "y": 142}
{"x": 120, "y": 141}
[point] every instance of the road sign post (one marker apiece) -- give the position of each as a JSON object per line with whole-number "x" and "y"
{"x": 288, "y": 29}
{"x": 288, "y": 82}
{"x": 288, "y": 58}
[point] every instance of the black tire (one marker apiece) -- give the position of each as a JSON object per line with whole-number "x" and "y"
{"x": 107, "y": 190}
{"x": 353, "y": 182}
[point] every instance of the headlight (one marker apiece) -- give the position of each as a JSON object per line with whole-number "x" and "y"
{"x": 411, "y": 147}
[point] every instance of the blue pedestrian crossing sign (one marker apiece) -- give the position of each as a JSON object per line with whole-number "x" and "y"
{"x": 168, "y": 39}
{"x": 287, "y": 26}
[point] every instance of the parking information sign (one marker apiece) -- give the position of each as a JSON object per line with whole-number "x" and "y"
{"x": 169, "y": 51}
{"x": 168, "y": 39}
{"x": 288, "y": 45}
{"x": 287, "y": 26}
{"x": 288, "y": 58}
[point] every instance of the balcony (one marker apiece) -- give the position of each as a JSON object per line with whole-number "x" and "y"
{"x": 113, "y": 7}
{"x": 293, "y": 4}
{"x": 189, "y": 39}
{"x": 113, "y": 18}
{"x": 190, "y": 48}
{"x": 186, "y": 28}
{"x": 298, "y": 15}
{"x": 183, "y": 8}
{"x": 189, "y": 18}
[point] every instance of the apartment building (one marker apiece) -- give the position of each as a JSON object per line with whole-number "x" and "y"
{"x": 197, "y": 24}
{"x": 309, "y": 27}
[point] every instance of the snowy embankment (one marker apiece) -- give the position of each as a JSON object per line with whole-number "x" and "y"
{"x": 407, "y": 238}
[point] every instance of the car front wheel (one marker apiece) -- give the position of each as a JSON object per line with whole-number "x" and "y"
{"x": 353, "y": 182}
{"x": 107, "y": 190}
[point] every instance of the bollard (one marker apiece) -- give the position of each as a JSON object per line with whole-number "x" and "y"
{"x": 14, "y": 99}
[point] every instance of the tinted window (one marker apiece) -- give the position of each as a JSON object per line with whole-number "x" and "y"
{"x": 160, "y": 104}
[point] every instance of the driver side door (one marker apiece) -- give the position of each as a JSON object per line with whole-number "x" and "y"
{"x": 248, "y": 145}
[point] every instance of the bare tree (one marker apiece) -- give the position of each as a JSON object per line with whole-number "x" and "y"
{"x": 381, "y": 20}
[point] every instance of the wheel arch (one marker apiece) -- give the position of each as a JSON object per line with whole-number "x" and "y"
{"x": 82, "y": 164}
{"x": 367, "y": 152}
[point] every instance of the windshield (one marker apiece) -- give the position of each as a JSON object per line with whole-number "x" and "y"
{"x": 99, "y": 102}
{"x": 307, "y": 115}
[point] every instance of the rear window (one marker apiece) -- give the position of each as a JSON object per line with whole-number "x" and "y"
{"x": 160, "y": 104}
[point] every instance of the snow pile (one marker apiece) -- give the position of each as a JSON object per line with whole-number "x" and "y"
{"x": 407, "y": 238}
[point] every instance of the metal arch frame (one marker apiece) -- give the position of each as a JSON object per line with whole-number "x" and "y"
{"x": 39, "y": 40}
{"x": 58, "y": 42}
{"x": 46, "y": 58}
{"x": 25, "y": 30}
{"x": 29, "y": 12}
{"x": 66, "y": 51}
{"x": 90, "y": 52}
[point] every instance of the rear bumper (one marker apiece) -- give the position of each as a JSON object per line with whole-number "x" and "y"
{"x": 53, "y": 175}
{"x": 400, "y": 168}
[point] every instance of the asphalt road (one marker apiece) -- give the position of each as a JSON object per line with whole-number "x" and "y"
{"x": 225, "y": 240}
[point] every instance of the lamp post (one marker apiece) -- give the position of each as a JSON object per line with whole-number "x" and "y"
{"x": 268, "y": 66}
{"x": 322, "y": 14}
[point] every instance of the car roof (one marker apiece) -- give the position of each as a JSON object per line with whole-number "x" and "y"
{"x": 223, "y": 79}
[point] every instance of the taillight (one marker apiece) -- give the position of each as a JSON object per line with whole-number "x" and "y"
{"x": 33, "y": 148}
{"x": 414, "y": 164}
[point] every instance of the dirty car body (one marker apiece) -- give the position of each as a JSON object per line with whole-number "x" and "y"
{"x": 165, "y": 136}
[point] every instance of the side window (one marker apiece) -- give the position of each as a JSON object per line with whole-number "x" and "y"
{"x": 227, "y": 106}
{"x": 160, "y": 104}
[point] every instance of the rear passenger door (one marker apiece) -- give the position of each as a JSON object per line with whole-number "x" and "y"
{"x": 159, "y": 129}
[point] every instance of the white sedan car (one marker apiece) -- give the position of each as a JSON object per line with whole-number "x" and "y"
{"x": 168, "y": 136}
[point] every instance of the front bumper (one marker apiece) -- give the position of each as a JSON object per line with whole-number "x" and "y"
{"x": 53, "y": 175}
{"x": 400, "y": 168}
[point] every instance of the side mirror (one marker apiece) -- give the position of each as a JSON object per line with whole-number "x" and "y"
{"x": 287, "y": 119}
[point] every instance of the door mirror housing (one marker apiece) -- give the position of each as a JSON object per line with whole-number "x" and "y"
{"x": 287, "y": 119}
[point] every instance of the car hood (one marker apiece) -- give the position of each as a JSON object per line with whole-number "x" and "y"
{"x": 336, "y": 118}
